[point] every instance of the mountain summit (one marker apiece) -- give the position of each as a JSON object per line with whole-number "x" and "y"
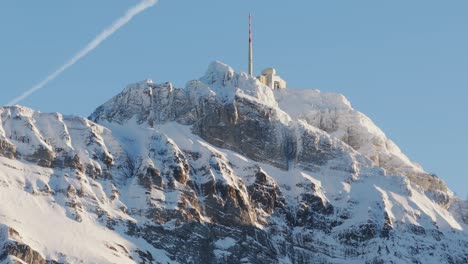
{"x": 225, "y": 170}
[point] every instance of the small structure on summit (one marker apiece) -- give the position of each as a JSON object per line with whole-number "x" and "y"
{"x": 268, "y": 77}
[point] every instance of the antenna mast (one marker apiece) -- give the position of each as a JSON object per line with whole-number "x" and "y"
{"x": 250, "y": 47}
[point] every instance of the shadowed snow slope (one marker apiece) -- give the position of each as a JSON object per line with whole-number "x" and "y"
{"x": 224, "y": 170}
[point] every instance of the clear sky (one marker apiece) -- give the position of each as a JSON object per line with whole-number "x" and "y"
{"x": 403, "y": 63}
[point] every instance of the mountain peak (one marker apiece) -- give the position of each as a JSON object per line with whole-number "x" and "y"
{"x": 330, "y": 112}
{"x": 224, "y": 170}
{"x": 217, "y": 73}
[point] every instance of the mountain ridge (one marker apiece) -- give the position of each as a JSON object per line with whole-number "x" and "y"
{"x": 223, "y": 170}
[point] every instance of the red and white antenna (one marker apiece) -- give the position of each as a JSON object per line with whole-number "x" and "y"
{"x": 250, "y": 47}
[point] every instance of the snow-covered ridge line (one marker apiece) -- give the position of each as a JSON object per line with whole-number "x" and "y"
{"x": 224, "y": 170}
{"x": 54, "y": 140}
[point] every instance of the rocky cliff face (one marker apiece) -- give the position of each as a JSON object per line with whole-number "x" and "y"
{"x": 222, "y": 171}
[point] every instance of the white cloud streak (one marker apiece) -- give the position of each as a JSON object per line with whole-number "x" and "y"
{"x": 132, "y": 12}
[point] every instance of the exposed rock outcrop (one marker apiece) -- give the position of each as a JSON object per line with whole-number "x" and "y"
{"x": 12, "y": 247}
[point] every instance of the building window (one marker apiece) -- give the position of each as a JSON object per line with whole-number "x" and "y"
{"x": 276, "y": 85}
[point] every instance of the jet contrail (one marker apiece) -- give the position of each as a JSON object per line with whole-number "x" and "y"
{"x": 143, "y": 5}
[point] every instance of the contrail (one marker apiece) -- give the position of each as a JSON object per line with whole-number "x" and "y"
{"x": 132, "y": 12}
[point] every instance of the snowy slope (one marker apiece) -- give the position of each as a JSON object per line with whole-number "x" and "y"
{"x": 43, "y": 220}
{"x": 334, "y": 114}
{"x": 60, "y": 208}
{"x": 222, "y": 171}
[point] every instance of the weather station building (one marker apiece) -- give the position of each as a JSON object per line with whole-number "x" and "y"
{"x": 270, "y": 79}
{"x": 268, "y": 76}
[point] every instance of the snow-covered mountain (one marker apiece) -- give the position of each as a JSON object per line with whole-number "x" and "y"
{"x": 225, "y": 170}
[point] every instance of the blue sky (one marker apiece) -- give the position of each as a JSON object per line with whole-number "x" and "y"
{"x": 402, "y": 63}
